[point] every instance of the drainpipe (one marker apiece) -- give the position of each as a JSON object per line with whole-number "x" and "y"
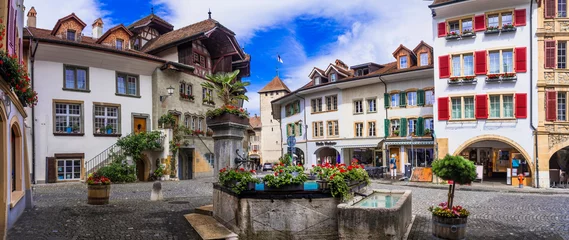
{"x": 531, "y": 92}
{"x": 385, "y": 157}
{"x": 33, "y": 59}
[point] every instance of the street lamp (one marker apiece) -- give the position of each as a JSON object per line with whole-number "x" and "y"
{"x": 170, "y": 92}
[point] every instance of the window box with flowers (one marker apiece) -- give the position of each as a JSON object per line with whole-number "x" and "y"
{"x": 468, "y": 33}
{"x": 509, "y": 77}
{"x": 187, "y": 97}
{"x": 462, "y": 80}
{"x": 98, "y": 189}
{"x": 501, "y": 77}
{"x": 492, "y": 30}
{"x": 508, "y": 28}
{"x": 452, "y": 35}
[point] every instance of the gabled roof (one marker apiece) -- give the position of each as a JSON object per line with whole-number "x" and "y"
{"x": 344, "y": 72}
{"x": 317, "y": 70}
{"x": 145, "y": 21}
{"x": 275, "y": 85}
{"x": 61, "y": 20}
{"x": 255, "y": 122}
{"x": 108, "y": 32}
{"x": 404, "y": 48}
{"x": 366, "y": 65}
{"x": 422, "y": 43}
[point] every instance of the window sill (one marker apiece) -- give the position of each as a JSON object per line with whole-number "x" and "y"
{"x": 372, "y": 112}
{"x": 208, "y": 105}
{"x": 501, "y": 120}
{"x": 76, "y": 90}
{"x": 126, "y": 95}
{"x": 107, "y": 135}
{"x": 186, "y": 99}
{"x": 15, "y": 197}
{"x": 68, "y": 134}
{"x": 358, "y": 113}
{"x": 463, "y": 120}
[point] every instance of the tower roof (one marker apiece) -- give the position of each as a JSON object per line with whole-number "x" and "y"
{"x": 275, "y": 85}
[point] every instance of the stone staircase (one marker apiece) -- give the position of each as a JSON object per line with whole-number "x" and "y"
{"x": 206, "y": 226}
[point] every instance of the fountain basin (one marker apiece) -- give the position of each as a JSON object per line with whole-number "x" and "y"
{"x": 383, "y": 214}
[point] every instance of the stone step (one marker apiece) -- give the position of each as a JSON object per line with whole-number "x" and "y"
{"x": 209, "y": 228}
{"x": 205, "y": 210}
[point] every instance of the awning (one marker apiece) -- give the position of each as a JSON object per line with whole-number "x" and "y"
{"x": 408, "y": 143}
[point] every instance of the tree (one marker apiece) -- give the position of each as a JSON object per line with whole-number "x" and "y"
{"x": 227, "y": 88}
{"x": 457, "y": 169}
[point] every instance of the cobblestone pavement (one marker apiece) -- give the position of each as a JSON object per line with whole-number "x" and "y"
{"x": 61, "y": 212}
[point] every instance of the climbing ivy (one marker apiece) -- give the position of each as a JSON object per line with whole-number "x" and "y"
{"x": 134, "y": 144}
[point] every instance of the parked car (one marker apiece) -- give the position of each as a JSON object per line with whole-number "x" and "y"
{"x": 267, "y": 166}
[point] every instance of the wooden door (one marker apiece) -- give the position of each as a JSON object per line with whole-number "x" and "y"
{"x": 397, "y": 163}
{"x": 139, "y": 125}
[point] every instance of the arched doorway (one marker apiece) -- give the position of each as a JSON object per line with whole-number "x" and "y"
{"x": 143, "y": 169}
{"x": 559, "y": 167}
{"x": 327, "y": 155}
{"x": 3, "y": 170}
{"x": 498, "y": 159}
{"x": 298, "y": 157}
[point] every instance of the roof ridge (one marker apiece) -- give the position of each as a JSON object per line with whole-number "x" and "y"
{"x": 275, "y": 85}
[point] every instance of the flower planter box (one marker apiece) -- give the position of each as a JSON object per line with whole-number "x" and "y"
{"x": 323, "y": 185}
{"x": 492, "y": 80}
{"x": 452, "y": 37}
{"x": 227, "y": 117}
{"x": 98, "y": 194}
{"x": 509, "y": 79}
{"x": 285, "y": 188}
{"x": 449, "y": 228}
{"x": 493, "y": 31}
{"x": 509, "y": 29}
{"x": 468, "y": 35}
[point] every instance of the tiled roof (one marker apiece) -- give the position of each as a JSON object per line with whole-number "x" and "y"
{"x": 102, "y": 38}
{"x": 143, "y": 21}
{"x": 275, "y": 85}
{"x": 63, "y": 19}
{"x": 402, "y": 47}
{"x": 182, "y": 33}
{"x": 255, "y": 121}
{"x": 86, "y": 42}
{"x": 422, "y": 43}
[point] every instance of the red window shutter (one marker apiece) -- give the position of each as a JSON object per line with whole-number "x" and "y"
{"x": 11, "y": 29}
{"x": 479, "y": 23}
{"x": 481, "y": 106}
{"x": 551, "y": 107}
{"x": 549, "y": 53}
{"x": 521, "y": 105}
{"x": 480, "y": 59}
{"x": 444, "y": 66}
{"x": 442, "y": 105}
{"x": 442, "y": 27}
{"x": 550, "y": 10}
{"x": 520, "y": 17}
{"x": 521, "y": 56}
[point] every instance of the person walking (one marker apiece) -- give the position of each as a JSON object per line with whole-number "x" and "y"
{"x": 393, "y": 166}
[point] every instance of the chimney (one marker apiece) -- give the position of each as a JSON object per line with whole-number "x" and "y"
{"x": 98, "y": 28}
{"x": 32, "y": 17}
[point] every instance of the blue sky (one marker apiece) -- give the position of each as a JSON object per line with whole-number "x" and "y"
{"x": 306, "y": 33}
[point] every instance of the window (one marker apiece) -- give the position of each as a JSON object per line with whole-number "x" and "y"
{"x": 412, "y": 98}
{"x": 318, "y": 129}
{"x": 207, "y": 96}
{"x": 395, "y": 127}
{"x": 316, "y": 105}
{"x": 371, "y": 129}
{"x": 71, "y": 35}
{"x": 395, "y": 100}
{"x": 562, "y": 8}
{"x": 501, "y": 61}
{"x": 429, "y": 97}
{"x": 561, "y": 54}
{"x": 494, "y": 21}
{"x": 76, "y": 78}
{"x": 362, "y": 72}
{"x": 358, "y": 106}
{"x": 462, "y": 107}
{"x": 255, "y": 148}
{"x": 412, "y": 126}
{"x": 127, "y": 84}
{"x": 333, "y": 128}
{"x": 466, "y": 25}
{"x": 68, "y": 118}
{"x": 461, "y": 26}
{"x": 187, "y": 121}
{"x": 424, "y": 58}
{"x": 199, "y": 59}
{"x": 359, "y": 129}
{"x": 200, "y": 124}
{"x": 119, "y": 43}
{"x": 69, "y": 169}
{"x": 332, "y": 103}
{"x": 562, "y": 106}
{"x": 403, "y": 62}
{"x": 106, "y": 119}
{"x": 333, "y": 77}
{"x": 292, "y": 108}
{"x": 501, "y": 106}
{"x": 372, "y": 105}
{"x": 462, "y": 65}
{"x": 316, "y": 80}
{"x": 429, "y": 124}
{"x": 194, "y": 122}
{"x": 454, "y": 26}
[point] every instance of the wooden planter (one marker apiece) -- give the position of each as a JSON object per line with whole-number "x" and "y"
{"x": 285, "y": 188}
{"x": 449, "y": 228}
{"x": 323, "y": 184}
{"x": 98, "y": 194}
{"x": 227, "y": 117}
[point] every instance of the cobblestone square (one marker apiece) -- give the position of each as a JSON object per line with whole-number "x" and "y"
{"x": 61, "y": 212}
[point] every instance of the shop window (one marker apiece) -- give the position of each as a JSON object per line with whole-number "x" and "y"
{"x": 420, "y": 157}
{"x": 68, "y": 169}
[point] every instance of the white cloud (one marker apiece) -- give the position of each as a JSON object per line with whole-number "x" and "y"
{"x": 49, "y": 11}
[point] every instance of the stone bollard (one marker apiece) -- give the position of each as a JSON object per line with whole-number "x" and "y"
{"x": 156, "y": 194}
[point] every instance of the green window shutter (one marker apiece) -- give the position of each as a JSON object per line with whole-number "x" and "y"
{"x": 293, "y": 133}
{"x": 420, "y": 127}
{"x": 421, "y": 97}
{"x": 300, "y": 129}
{"x": 386, "y": 100}
{"x": 402, "y": 99}
{"x": 386, "y": 124}
{"x": 287, "y": 130}
{"x": 403, "y": 127}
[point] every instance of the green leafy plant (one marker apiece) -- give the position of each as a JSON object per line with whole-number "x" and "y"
{"x": 178, "y": 134}
{"x": 75, "y": 128}
{"x": 15, "y": 74}
{"x": 237, "y": 179}
{"x": 443, "y": 210}
{"x": 134, "y": 144}
{"x": 427, "y": 131}
{"x": 167, "y": 120}
{"x": 339, "y": 177}
{"x": 159, "y": 172}
{"x": 455, "y": 169}
{"x": 229, "y": 91}
{"x": 98, "y": 179}
{"x": 119, "y": 171}
{"x": 285, "y": 175}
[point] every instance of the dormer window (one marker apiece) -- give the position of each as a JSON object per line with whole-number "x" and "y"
{"x": 333, "y": 77}
{"x": 403, "y": 62}
{"x": 71, "y": 35}
{"x": 119, "y": 44}
{"x": 362, "y": 72}
{"x": 316, "y": 80}
{"x": 424, "y": 58}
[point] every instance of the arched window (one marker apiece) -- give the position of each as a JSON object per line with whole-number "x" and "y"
{"x": 16, "y": 161}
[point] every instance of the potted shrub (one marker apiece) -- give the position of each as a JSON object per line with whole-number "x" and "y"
{"x": 230, "y": 92}
{"x": 167, "y": 120}
{"x": 98, "y": 189}
{"x": 109, "y": 129}
{"x": 446, "y": 215}
{"x": 76, "y": 128}
{"x": 395, "y": 133}
{"x": 159, "y": 173}
{"x": 238, "y": 180}
{"x": 427, "y": 131}
{"x": 285, "y": 178}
